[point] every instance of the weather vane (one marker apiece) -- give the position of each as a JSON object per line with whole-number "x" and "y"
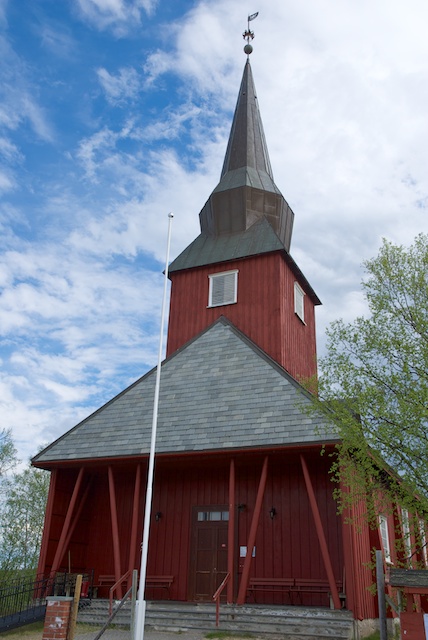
{"x": 249, "y": 35}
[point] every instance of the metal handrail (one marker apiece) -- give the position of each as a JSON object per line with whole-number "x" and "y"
{"x": 116, "y": 584}
{"x": 216, "y": 597}
{"x": 112, "y": 615}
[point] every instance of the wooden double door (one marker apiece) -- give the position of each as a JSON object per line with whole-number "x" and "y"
{"x": 208, "y": 551}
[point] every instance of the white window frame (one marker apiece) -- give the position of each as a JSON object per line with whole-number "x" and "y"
{"x": 230, "y": 279}
{"x": 405, "y": 522}
{"x": 423, "y": 539}
{"x": 299, "y": 302}
{"x": 384, "y": 536}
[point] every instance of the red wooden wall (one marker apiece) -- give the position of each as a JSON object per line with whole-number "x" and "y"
{"x": 264, "y": 311}
{"x": 286, "y": 545}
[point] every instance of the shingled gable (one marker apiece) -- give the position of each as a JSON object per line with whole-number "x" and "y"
{"x": 218, "y": 392}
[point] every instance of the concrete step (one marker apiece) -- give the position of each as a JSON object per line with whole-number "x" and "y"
{"x": 292, "y": 623}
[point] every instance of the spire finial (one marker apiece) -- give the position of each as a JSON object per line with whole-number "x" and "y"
{"x": 249, "y": 35}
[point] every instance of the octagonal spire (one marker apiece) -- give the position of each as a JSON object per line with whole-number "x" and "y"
{"x": 246, "y": 191}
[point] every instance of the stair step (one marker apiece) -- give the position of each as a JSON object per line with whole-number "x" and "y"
{"x": 296, "y": 623}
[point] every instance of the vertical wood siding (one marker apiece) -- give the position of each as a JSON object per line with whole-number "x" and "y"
{"x": 264, "y": 310}
{"x": 286, "y": 545}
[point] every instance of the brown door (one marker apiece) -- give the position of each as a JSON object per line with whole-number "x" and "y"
{"x": 208, "y": 559}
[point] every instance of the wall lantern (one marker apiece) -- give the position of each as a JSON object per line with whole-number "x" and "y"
{"x": 158, "y": 516}
{"x": 272, "y": 513}
{"x": 241, "y": 507}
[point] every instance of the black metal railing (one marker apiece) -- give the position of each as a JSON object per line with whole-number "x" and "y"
{"x": 23, "y": 598}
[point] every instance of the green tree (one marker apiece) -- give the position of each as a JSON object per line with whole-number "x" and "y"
{"x": 373, "y": 381}
{"x": 7, "y": 452}
{"x": 21, "y": 519}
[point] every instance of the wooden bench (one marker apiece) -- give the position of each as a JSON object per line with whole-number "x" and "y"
{"x": 106, "y": 581}
{"x": 152, "y": 582}
{"x": 315, "y": 585}
{"x": 271, "y": 585}
{"x": 294, "y": 586}
{"x": 160, "y": 582}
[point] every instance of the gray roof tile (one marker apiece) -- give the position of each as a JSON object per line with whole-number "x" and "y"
{"x": 218, "y": 392}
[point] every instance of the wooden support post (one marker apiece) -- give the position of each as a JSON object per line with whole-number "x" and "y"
{"x": 61, "y": 544}
{"x": 41, "y": 568}
{"x": 252, "y": 536}
{"x": 115, "y": 532}
{"x": 380, "y": 582}
{"x": 231, "y": 534}
{"x": 134, "y": 524}
{"x": 75, "y": 608}
{"x": 321, "y": 536}
{"x": 76, "y": 517}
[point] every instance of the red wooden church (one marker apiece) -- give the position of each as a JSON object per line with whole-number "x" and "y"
{"x": 240, "y": 485}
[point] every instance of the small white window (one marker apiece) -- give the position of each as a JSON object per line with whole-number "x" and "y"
{"x": 383, "y": 526}
{"x": 423, "y": 541}
{"x": 406, "y": 533}
{"x": 299, "y": 302}
{"x": 223, "y": 288}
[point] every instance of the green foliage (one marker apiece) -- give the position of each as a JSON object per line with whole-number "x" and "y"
{"x": 7, "y": 452}
{"x": 373, "y": 636}
{"x": 21, "y": 520}
{"x": 373, "y": 384}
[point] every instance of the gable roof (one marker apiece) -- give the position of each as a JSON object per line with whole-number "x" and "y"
{"x": 219, "y": 392}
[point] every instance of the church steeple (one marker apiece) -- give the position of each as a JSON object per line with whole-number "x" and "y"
{"x": 240, "y": 265}
{"x": 247, "y": 192}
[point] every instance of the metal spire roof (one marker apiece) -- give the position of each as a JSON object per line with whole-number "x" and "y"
{"x": 246, "y": 192}
{"x": 247, "y": 144}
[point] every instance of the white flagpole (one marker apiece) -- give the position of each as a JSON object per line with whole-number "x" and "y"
{"x": 141, "y": 608}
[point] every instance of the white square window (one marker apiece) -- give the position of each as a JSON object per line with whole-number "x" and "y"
{"x": 384, "y": 535}
{"x": 299, "y": 302}
{"x": 223, "y": 288}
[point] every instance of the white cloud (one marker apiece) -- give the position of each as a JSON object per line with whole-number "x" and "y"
{"x": 343, "y": 101}
{"x": 57, "y": 39}
{"x": 17, "y": 95}
{"x": 121, "y": 87}
{"x": 7, "y": 183}
{"x": 9, "y": 150}
{"x": 121, "y": 16}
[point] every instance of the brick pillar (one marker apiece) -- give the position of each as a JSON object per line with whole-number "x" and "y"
{"x": 57, "y": 619}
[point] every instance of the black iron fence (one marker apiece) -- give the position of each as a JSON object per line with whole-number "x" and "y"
{"x": 23, "y": 599}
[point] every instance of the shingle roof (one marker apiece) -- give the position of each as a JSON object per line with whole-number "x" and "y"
{"x": 206, "y": 249}
{"x": 258, "y": 239}
{"x": 218, "y": 392}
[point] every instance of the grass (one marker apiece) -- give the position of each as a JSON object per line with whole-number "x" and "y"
{"x": 23, "y": 632}
{"x": 34, "y": 631}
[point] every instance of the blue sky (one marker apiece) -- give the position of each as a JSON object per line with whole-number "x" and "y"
{"x": 115, "y": 112}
